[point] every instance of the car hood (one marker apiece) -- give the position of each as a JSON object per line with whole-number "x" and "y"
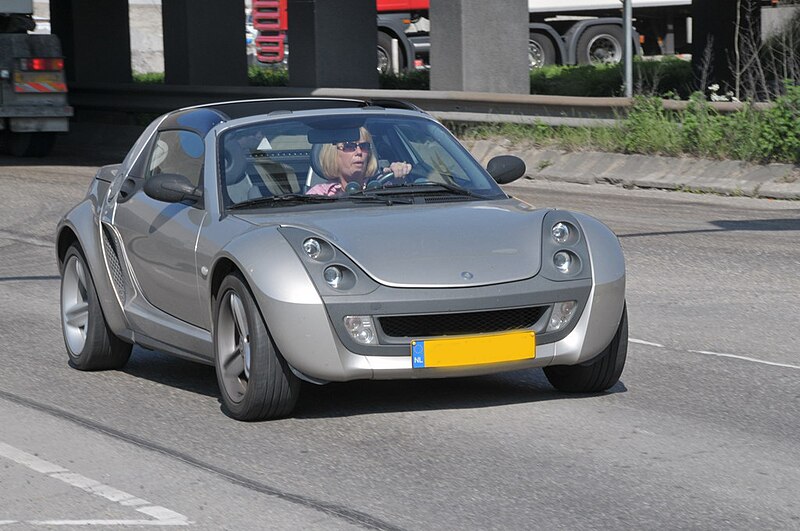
{"x": 444, "y": 245}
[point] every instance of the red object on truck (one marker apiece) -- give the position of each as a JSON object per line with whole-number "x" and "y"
{"x": 271, "y": 21}
{"x": 400, "y": 5}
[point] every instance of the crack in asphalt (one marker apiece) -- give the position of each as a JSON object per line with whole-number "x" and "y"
{"x": 350, "y": 515}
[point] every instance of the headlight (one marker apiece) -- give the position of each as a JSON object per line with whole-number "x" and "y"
{"x": 564, "y": 261}
{"x": 312, "y": 248}
{"x": 561, "y": 316}
{"x": 333, "y": 276}
{"x": 561, "y": 232}
{"x": 361, "y": 329}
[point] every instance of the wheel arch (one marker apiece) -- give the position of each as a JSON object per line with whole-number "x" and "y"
{"x": 79, "y": 227}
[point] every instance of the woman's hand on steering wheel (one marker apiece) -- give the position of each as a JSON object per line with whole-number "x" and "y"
{"x": 396, "y": 170}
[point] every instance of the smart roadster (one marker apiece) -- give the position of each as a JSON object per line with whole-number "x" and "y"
{"x": 205, "y": 243}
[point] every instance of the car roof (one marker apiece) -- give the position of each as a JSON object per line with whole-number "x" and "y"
{"x": 202, "y": 118}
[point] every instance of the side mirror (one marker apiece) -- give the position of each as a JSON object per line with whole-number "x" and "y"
{"x": 171, "y": 188}
{"x": 506, "y": 168}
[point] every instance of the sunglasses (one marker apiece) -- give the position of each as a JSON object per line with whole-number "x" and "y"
{"x": 350, "y": 147}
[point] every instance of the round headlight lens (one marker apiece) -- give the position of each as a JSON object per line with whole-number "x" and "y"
{"x": 563, "y": 261}
{"x": 561, "y": 232}
{"x": 312, "y": 248}
{"x": 333, "y": 276}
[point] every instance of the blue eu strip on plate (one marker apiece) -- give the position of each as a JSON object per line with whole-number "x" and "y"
{"x": 418, "y": 354}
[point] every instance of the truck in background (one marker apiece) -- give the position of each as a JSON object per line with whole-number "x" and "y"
{"x": 33, "y": 89}
{"x": 561, "y": 31}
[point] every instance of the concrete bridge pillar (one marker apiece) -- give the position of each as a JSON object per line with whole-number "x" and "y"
{"x": 95, "y": 39}
{"x": 333, "y": 43}
{"x": 479, "y": 46}
{"x": 204, "y": 42}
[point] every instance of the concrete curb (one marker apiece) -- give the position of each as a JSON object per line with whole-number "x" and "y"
{"x": 734, "y": 178}
{"x": 725, "y": 177}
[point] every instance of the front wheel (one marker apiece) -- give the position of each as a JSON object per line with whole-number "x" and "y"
{"x": 598, "y": 374}
{"x": 255, "y": 381}
{"x": 90, "y": 344}
{"x": 541, "y": 51}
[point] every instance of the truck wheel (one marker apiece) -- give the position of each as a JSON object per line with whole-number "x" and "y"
{"x": 598, "y": 374}
{"x": 601, "y": 45}
{"x": 385, "y": 65}
{"x": 541, "y": 51}
{"x": 255, "y": 381}
{"x": 29, "y": 144}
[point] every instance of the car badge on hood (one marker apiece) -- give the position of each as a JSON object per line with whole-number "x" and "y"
{"x": 466, "y": 275}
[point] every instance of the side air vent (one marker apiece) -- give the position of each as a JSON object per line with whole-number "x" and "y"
{"x": 111, "y": 249}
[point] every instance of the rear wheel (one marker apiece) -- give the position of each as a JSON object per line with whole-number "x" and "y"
{"x": 598, "y": 374}
{"x": 90, "y": 344}
{"x": 255, "y": 381}
{"x": 601, "y": 45}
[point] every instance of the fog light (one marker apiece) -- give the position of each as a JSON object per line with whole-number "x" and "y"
{"x": 312, "y": 248}
{"x": 561, "y": 316}
{"x": 361, "y": 329}
{"x": 333, "y": 276}
{"x": 561, "y": 232}
{"x": 563, "y": 261}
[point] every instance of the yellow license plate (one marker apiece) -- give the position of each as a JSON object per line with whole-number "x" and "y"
{"x": 473, "y": 350}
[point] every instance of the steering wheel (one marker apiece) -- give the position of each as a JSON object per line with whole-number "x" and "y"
{"x": 384, "y": 178}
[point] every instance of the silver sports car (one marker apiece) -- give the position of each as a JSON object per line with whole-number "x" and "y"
{"x": 227, "y": 237}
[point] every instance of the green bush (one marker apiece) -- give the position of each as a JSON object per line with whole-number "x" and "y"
{"x": 662, "y": 78}
{"x": 780, "y": 136}
{"x": 268, "y": 77}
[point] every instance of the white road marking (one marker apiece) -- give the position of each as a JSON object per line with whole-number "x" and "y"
{"x": 643, "y": 342}
{"x": 745, "y": 358}
{"x": 718, "y": 354}
{"x": 162, "y": 515}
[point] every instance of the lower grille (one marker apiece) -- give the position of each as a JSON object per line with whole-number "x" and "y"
{"x": 461, "y": 323}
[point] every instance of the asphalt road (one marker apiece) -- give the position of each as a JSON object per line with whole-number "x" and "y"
{"x": 701, "y": 433}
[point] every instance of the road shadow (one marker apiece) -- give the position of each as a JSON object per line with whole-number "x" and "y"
{"x": 771, "y": 225}
{"x": 172, "y": 371}
{"x": 365, "y": 397}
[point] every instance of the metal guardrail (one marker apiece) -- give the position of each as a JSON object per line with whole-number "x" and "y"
{"x": 444, "y": 105}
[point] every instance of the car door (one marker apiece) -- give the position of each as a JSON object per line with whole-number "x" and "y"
{"x": 160, "y": 238}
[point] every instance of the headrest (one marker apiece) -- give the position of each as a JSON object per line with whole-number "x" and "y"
{"x": 316, "y": 161}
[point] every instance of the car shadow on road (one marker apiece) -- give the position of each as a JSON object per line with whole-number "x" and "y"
{"x": 368, "y": 397}
{"x": 172, "y": 371}
{"x": 363, "y": 397}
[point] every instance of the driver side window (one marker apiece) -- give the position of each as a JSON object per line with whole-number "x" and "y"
{"x": 178, "y": 152}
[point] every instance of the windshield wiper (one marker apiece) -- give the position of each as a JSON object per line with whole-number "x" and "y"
{"x": 423, "y": 187}
{"x": 279, "y": 199}
{"x": 369, "y": 196}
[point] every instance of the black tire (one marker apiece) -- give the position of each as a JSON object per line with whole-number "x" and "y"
{"x": 29, "y": 144}
{"x": 254, "y": 380}
{"x": 598, "y": 374}
{"x": 604, "y": 44}
{"x": 541, "y": 51}
{"x": 385, "y": 65}
{"x": 90, "y": 344}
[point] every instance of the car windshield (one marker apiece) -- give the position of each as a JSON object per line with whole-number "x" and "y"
{"x": 347, "y": 157}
